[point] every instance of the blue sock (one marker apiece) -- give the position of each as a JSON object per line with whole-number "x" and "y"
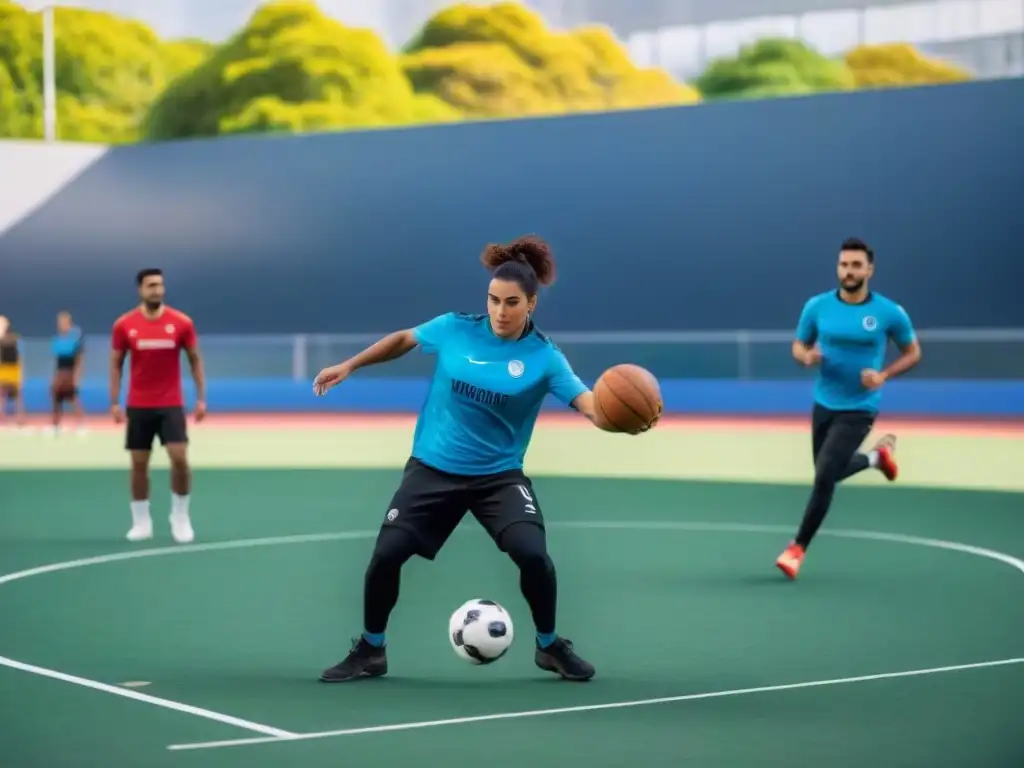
{"x": 544, "y": 639}
{"x": 374, "y": 639}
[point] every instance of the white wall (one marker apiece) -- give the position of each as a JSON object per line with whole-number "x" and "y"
{"x": 31, "y": 172}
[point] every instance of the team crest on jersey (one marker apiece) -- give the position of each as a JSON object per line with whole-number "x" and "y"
{"x": 169, "y": 328}
{"x": 516, "y": 368}
{"x": 869, "y": 323}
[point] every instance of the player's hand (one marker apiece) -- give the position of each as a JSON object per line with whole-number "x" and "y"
{"x": 116, "y": 414}
{"x": 812, "y": 356}
{"x": 872, "y": 379}
{"x": 200, "y": 410}
{"x": 330, "y": 377}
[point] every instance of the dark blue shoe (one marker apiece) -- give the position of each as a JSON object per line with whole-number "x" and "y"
{"x": 560, "y": 658}
{"x": 364, "y": 660}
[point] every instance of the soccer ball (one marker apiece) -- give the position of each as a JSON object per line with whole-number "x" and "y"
{"x": 480, "y": 631}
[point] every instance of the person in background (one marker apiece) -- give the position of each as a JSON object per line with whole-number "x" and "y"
{"x": 10, "y": 372}
{"x": 68, "y": 348}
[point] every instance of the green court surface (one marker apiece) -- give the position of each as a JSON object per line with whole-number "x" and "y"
{"x": 900, "y": 645}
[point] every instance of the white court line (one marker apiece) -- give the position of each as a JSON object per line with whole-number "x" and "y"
{"x": 347, "y": 535}
{"x": 128, "y": 693}
{"x": 595, "y": 707}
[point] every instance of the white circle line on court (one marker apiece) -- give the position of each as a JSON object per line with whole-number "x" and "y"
{"x": 272, "y": 734}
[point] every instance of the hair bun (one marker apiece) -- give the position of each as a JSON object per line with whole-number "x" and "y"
{"x": 530, "y": 249}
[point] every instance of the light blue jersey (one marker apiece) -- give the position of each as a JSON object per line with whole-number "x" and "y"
{"x": 486, "y": 394}
{"x": 66, "y": 347}
{"x": 852, "y": 338}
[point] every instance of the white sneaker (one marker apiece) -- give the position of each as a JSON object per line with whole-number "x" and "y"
{"x": 141, "y": 531}
{"x": 181, "y": 529}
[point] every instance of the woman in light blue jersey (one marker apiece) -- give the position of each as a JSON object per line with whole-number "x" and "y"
{"x": 68, "y": 348}
{"x": 493, "y": 373}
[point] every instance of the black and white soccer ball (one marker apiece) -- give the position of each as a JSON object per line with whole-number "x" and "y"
{"x": 480, "y": 631}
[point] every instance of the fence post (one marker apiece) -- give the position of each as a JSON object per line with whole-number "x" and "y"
{"x": 300, "y": 357}
{"x": 744, "y": 363}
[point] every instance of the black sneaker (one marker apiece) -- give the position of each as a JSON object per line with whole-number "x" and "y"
{"x": 364, "y": 660}
{"x": 560, "y": 658}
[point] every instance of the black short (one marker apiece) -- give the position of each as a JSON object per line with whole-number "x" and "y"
{"x": 63, "y": 386}
{"x": 430, "y": 504}
{"x": 839, "y": 433}
{"x": 144, "y": 424}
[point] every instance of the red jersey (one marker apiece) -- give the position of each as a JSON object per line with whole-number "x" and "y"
{"x": 154, "y": 345}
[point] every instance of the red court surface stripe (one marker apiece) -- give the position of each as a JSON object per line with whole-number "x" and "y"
{"x": 1013, "y": 428}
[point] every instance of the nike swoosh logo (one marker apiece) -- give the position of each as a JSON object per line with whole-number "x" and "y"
{"x": 478, "y": 362}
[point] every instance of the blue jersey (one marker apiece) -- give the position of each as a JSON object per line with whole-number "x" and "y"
{"x": 66, "y": 347}
{"x": 852, "y": 338}
{"x": 486, "y": 394}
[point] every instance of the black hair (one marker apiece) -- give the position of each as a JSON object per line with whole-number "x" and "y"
{"x": 149, "y": 272}
{"x": 526, "y": 260}
{"x": 856, "y": 244}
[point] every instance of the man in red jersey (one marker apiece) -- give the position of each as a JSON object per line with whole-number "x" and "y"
{"x": 155, "y": 335}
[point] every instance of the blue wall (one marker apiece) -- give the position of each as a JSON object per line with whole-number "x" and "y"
{"x": 729, "y": 397}
{"x": 718, "y": 216}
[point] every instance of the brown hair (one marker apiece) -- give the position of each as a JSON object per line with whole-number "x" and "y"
{"x": 528, "y": 260}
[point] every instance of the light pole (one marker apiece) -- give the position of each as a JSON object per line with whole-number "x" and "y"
{"x": 49, "y": 77}
{"x": 46, "y": 9}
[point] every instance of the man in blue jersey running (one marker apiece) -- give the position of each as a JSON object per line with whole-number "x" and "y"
{"x": 846, "y": 332}
{"x": 492, "y": 374}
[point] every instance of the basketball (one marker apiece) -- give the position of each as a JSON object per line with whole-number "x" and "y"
{"x": 627, "y": 399}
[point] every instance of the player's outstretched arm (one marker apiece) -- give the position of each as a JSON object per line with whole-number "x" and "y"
{"x": 584, "y": 403}
{"x": 391, "y": 347}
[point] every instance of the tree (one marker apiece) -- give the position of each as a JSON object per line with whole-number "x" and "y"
{"x": 107, "y": 71}
{"x": 291, "y": 68}
{"x": 774, "y": 67}
{"x": 502, "y": 61}
{"x": 899, "y": 64}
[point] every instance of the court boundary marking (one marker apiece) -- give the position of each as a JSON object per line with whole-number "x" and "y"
{"x": 271, "y": 734}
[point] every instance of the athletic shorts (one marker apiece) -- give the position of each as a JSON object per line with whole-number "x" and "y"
{"x": 10, "y": 379}
{"x": 144, "y": 424}
{"x": 430, "y": 504}
{"x": 63, "y": 385}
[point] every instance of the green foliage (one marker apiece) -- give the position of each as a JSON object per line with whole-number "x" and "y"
{"x": 502, "y": 61}
{"x": 774, "y": 68}
{"x": 107, "y": 70}
{"x": 898, "y": 64}
{"x": 291, "y": 69}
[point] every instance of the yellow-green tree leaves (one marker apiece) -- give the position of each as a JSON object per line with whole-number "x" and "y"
{"x": 898, "y": 64}
{"x": 108, "y": 71}
{"x": 502, "y": 61}
{"x": 774, "y": 68}
{"x": 789, "y": 67}
{"x": 291, "y": 69}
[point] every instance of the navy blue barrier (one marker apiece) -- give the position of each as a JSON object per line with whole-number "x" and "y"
{"x": 908, "y": 397}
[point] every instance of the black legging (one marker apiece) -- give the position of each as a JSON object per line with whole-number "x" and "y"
{"x": 836, "y": 437}
{"x": 524, "y": 542}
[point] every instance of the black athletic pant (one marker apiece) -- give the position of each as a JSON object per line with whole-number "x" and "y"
{"x": 424, "y": 512}
{"x": 836, "y": 437}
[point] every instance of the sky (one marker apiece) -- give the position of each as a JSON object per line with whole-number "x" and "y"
{"x": 215, "y": 20}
